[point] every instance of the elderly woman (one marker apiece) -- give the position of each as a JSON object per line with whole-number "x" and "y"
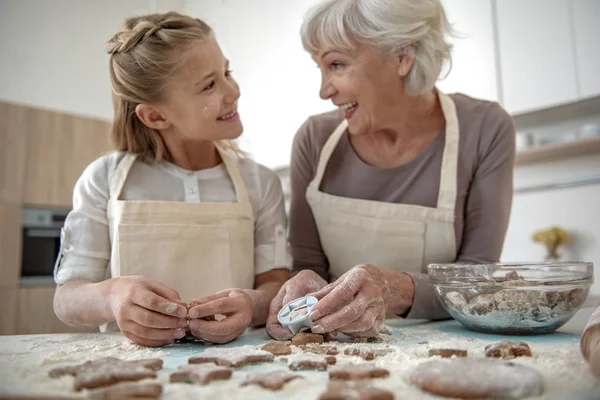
{"x": 401, "y": 175}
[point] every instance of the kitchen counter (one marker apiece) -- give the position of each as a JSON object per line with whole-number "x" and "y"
{"x": 25, "y": 361}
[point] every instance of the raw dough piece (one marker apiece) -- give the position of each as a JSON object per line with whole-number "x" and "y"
{"x": 447, "y": 353}
{"x": 108, "y": 371}
{"x": 337, "y": 390}
{"x": 272, "y": 380}
{"x": 127, "y": 390}
{"x": 330, "y": 360}
{"x": 277, "y": 348}
{"x": 320, "y": 349}
{"x": 357, "y": 372}
{"x": 366, "y": 353}
{"x": 507, "y": 350}
{"x": 469, "y": 378}
{"x": 370, "y": 339}
{"x": 235, "y": 357}
{"x": 306, "y": 337}
{"x": 202, "y": 374}
{"x": 308, "y": 362}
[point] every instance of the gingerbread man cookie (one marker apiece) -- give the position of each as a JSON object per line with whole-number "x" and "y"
{"x": 201, "y": 374}
{"x": 272, "y": 380}
{"x": 357, "y": 372}
{"x": 232, "y": 357}
{"x": 108, "y": 371}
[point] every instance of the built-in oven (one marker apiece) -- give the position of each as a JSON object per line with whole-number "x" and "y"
{"x": 41, "y": 240}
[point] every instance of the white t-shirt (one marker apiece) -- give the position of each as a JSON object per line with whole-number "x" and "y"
{"x": 85, "y": 250}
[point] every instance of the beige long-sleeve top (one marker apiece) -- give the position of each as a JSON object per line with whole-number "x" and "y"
{"x": 484, "y": 193}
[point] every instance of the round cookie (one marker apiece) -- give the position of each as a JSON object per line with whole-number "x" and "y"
{"x": 468, "y": 378}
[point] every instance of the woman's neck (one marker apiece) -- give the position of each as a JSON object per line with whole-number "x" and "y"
{"x": 417, "y": 115}
{"x": 415, "y": 125}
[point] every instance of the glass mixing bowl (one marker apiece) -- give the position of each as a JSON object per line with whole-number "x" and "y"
{"x": 512, "y": 298}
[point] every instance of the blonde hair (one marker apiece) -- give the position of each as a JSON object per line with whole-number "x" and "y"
{"x": 417, "y": 28}
{"x": 144, "y": 53}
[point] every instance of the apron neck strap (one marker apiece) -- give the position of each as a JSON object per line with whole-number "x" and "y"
{"x": 120, "y": 176}
{"x": 448, "y": 179}
{"x": 234, "y": 172}
{"x": 327, "y": 151}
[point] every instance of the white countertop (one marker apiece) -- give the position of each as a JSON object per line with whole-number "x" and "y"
{"x": 25, "y": 361}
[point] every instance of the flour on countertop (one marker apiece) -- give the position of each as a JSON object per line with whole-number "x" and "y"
{"x": 561, "y": 365}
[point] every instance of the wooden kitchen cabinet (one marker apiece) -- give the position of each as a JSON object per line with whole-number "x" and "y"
{"x": 35, "y": 313}
{"x": 13, "y": 121}
{"x": 8, "y": 311}
{"x": 474, "y": 71}
{"x": 10, "y": 244}
{"x": 59, "y": 148}
{"x": 537, "y": 61}
{"x": 586, "y": 29}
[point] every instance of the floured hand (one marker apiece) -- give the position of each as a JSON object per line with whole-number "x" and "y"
{"x": 304, "y": 282}
{"x": 147, "y": 312}
{"x": 235, "y": 304}
{"x": 355, "y": 304}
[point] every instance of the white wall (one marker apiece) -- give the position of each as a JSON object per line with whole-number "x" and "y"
{"x": 52, "y": 53}
{"x": 577, "y": 209}
{"x": 279, "y": 81}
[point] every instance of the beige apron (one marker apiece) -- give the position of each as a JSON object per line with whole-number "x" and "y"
{"x": 402, "y": 237}
{"x": 195, "y": 248}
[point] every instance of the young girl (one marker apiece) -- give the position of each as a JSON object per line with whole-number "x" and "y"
{"x": 176, "y": 226}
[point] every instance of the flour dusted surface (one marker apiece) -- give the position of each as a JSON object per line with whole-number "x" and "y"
{"x": 25, "y": 361}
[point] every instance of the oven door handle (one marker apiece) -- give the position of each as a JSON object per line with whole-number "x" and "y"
{"x": 42, "y": 233}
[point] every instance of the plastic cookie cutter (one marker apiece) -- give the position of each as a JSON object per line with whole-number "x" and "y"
{"x": 295, "y": 314}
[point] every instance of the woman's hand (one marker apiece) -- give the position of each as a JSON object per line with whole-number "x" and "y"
{"x": 147, "y": 312}
{"x": 237, "y": 307}
{"x": 303, "y": 283}
{"x": 356, "y": 303}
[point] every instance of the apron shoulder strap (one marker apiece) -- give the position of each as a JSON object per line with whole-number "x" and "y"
{"x": 120, "y": 175}
{"x": 233, "y": 169}
{"x": 448, "y": 175}
{"x": 326, "y": 153}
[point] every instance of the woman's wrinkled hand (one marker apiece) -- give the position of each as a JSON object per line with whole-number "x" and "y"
{"x": 303, "y": 283}
{"x": 355, "y": 304}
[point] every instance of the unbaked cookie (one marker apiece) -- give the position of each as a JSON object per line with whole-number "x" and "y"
{"x": 202, "y": 374}
{"x": 447, "y": 353}
{"x": 507, "y": 350}
{"x": 272, "y": 380}
{"x": 469, "y": 378}
{"x": 108, "y": 371}
{"x": 320, "y": 349}
{"x": 357, "y": 372}
{"x": 277, "y": 348}
{"x": 366, "y": 352}
{"x": 235, "y": 357}
{"x": 337, "y": 390}
{"x": 303, "y": 338}
{"x": 308, "y": 362}
{"x": 126, "y": 390}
